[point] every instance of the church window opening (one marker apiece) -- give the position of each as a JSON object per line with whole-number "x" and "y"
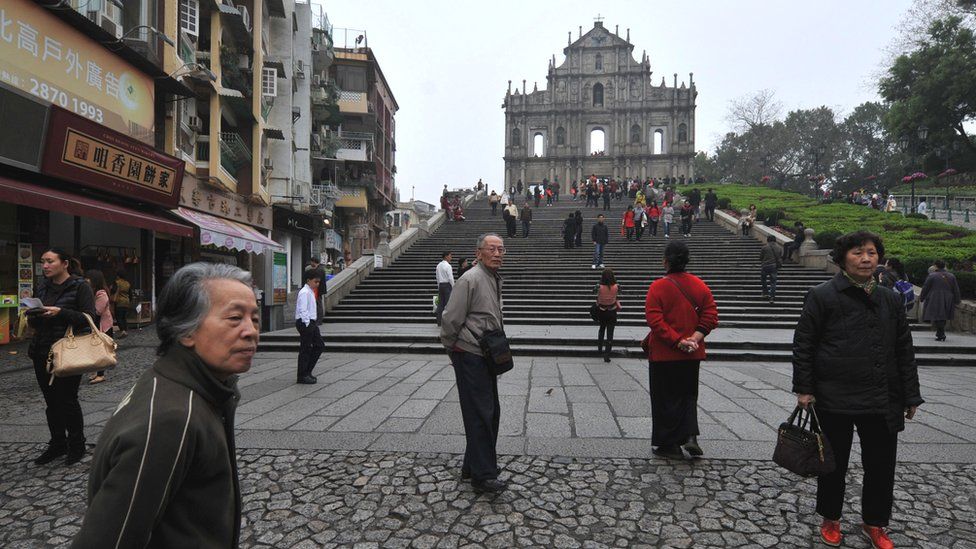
{"x": 599, "y": 62}
{"x": 560, "y": 135}
{"x": 658, "y": 142}
{"x": 682, "y": 133}
{"x": 538, "y": 144}
{"x": 635, "y": 133}
{"x": 598, "y": 95}
{"x": 598, "y": 140}
{"x": 516, "y": 137}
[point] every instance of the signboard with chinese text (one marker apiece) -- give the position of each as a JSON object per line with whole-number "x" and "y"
{"x": 279, "y": 276}
{"x": 92, "y": 155}
{"x": 50, "y": 59}
{"x": 198, "y": 196}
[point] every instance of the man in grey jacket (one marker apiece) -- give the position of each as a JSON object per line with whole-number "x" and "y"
{"x": 770, "y": 261}
{"x": 475, "y": 308}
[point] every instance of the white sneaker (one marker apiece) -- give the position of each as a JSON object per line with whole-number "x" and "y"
{"x": 593, "y": 266}
{"x": 601, "y": 265}
{"x": 667, "y": 236}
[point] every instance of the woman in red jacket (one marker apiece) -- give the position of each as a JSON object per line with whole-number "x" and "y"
{"x": 628, "y": 222}
{"x": 653, "y": 215}
{"x": 680, "y": 311}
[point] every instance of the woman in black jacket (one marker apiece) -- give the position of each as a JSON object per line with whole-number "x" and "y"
{"x": 853, "y": 356}
{"x": 578, "y": 216}
{"x": 66, "y": 296}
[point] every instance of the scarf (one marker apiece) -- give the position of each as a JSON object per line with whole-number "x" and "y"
{"x": 868, "y": 286}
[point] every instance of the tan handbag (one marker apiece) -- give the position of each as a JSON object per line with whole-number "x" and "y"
{"x": 75, "y": 355}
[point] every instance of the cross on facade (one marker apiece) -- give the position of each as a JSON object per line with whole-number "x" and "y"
{"x": 598, "y": 18}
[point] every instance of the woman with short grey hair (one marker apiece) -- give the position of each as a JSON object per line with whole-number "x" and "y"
{"x": 164, "y": 467}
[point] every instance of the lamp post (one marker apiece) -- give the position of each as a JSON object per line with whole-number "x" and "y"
{"x": 765, "y": 163}
{"x": 911, "y": 145}
{"x": 946, "y": 152}
{"x": 818, "y": 154}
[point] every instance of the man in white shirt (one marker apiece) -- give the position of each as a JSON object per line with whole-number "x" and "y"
{"x": 306, "y": 321}
{"x": 445, "y": 283}
{"x": 922, "y": 207}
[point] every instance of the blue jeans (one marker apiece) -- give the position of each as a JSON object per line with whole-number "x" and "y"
{"x": 769, "y": 274}
{"x": 667, "y": 228}
{"x": 598, "y": 253}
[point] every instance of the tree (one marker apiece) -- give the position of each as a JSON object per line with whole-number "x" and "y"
{"x": 755, "y": 111}
{"x": 935, "y": 85}
{"x": 869, "y": 155}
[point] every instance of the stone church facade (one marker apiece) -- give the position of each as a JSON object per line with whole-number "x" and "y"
{"x": 648, "y": 130}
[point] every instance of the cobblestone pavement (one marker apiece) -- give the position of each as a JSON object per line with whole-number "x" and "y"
{"x": 313, "y": 499}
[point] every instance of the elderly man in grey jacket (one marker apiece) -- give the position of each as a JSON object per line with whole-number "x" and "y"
{"x": 475, "y": 308}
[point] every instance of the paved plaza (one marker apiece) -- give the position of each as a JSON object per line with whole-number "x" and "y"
{"x": 369, "y": 457}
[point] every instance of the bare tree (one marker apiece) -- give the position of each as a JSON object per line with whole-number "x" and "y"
{"x": 754, "y": 111}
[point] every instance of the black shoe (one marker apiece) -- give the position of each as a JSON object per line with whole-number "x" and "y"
{"x": 669, "y": 452}
{"x": 942, "y": 338}
{"x": 54, "y": 451}
{"x": 491, "y": 485}
{"x": 606, "y": 358}
{"x": 692, "y": 447}
{"x": 307, "y": 380}
{"x": 75, "y": 453}
{"x": 465, "y": 475}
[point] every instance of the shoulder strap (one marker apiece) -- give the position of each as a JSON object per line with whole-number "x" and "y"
{"x": 684, "y": 293}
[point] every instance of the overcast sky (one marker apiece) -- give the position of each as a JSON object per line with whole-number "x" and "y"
{"x": 449, "y": 62}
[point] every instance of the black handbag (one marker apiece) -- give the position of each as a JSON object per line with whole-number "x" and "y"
{"x": 498, "y": 354}
{"x": 595, "y": 312}
{"x": 801, "y": 447}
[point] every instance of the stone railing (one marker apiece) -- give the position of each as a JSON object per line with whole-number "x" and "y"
{"x": 346, "y": 281}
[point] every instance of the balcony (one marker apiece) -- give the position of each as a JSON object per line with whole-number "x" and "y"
{"x": 353, "y": 102}
{"x": 187, "y": 51}
{"x": 238, "y": 21}
{"x": 325, "y": 111}
{"x": 202, "y": 155}
{"x": 355, "y": 146}
{"x": 234, "y": 152}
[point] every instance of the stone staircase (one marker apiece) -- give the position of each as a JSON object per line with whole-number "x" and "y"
{"x": 549, "y": 286}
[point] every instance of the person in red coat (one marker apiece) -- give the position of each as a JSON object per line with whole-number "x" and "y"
{"x": 628, "y": 222}
{"x": 680, "y": 311}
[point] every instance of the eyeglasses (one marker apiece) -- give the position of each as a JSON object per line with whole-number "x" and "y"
{"x": 492, "y": 249}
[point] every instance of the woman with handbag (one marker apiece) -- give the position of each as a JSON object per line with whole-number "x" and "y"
{"x": 607, "y": 304}
{"x": 66, "y": 298}
{"x": 853, "y": 355}
{"x": 680, "y": 310}
{"x": 103, "y": 311}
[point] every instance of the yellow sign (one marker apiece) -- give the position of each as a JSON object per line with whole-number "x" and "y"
{"x": 95, "y": 155}
{"x": 48, "y": 58}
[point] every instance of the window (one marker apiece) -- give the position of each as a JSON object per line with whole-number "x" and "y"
{"x": 190, "y": 17}
{"x": 560, "y": 136}
{"x": 683, "y": 133}
{"x": 658, "y": 142}
{"x": 516, "y": 137}
{"x": 538, "y": 144}
{"x": 351, "y": 79}
{"x": 597, "y": 95}
{"x": 635, "y": 133}
{"x": 598, "y": 140}
{"x": 269, "y": 82}
{"x": 599, "y": 62}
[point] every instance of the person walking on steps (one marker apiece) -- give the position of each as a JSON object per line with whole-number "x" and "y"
{"x": 600, "y": 236}
{"x": 569, "y": 231}
{"x": 667, "y": 216}
{"x": 653, "y": 216}
{"x": 445, "y": 283}
{"x": 681, "y": 312}
{"x": 628, "y": 222}
{"x": 67, "y": 299}
{"x": 687, "y": 215}
{"x": 711, "y": 201}
{"x": 510, "y": 219}
{"x": 606, "y": 197}
{"x": 939, "y": 297}
{"x": 526, "y": 217}
{"x": 493, "y": 200}
{"x": 311, "y": 344}
{"x": 607, "y": 306}
{"x": 578, "y": 217}
{"x": 770, "y": 264}
{"x": 853, "y": 357}
{"x": 475, "y": 310}
{"x": 640, "y": 221}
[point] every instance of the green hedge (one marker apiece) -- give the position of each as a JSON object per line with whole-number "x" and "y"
{"x": 917, "y": 242}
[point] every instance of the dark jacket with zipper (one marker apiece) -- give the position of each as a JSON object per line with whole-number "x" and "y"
{"x": 75, "y": 297}
{"x": 164, "y": 472}
{"x": 854, "y": 352}
{"x": 600, "y": 234}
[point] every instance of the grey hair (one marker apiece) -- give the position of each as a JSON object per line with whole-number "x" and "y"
{"x": 185, "y": 300}
{"x": 481, "y": 239}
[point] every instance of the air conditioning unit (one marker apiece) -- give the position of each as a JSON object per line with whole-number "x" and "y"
{"x": 268, "y": 164}
{"x": 106, "y": 15}
{"x": 245, "y": 16}
{"x": 194, "y": 123}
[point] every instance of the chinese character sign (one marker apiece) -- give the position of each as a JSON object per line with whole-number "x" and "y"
{"x": 46, "y": 57}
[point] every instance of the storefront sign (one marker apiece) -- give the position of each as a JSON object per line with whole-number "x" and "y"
{"x": 229, "y": 206}
{"x": 279, "y": 276}
{"x": 295, "y": 222}
{"x": 46, "y": 57}
{"x": 333, "y": 240}
{"x": 84, "y": 152}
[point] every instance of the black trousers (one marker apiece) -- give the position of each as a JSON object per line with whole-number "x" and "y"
{"x": 606, "y": 201}
{"x": 568, "y": 240}
{"x": 685, "y": 226}
{"x": 640, "y": 230}
{"x": 311, "y": 346}
{"x": 480, "y": 411}
{"x": 443, "y": 296}
{"x": 494, "y": 208}
{"x": 608, "y": 321}
{"x": 674, "y": 401}
{"x": 121, "y": 317}
{"x": 710, "y": 213}
{"x": 939, "y": 328}
{"x": 652, "y": 226}
{"x": 510, "y": 226}
{"x": 525, "y": 228}
{"x": 630, "y": 233}
{"x": 64, "y": 417}
{"x": 878, "y": 456}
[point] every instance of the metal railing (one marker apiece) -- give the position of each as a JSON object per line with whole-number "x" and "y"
{"x": 234, "y": 153}
{"x": 203, "y": 148}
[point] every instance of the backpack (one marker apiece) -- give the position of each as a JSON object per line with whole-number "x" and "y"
{"x": 907, "y": 292}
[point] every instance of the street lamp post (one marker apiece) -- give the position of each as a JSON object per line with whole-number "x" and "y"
{"x": 912, "y": 145}
{"x": 817, "y": 156}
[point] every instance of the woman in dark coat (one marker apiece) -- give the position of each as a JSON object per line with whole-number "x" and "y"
{"x": 940, "y": 295}
{"x": 853, "y": 357}
{"x": 579, "y": 229}
{"x": 66, "y": 296}
{"x": 680, "y": 311}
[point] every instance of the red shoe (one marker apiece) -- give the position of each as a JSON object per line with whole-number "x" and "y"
{"x": 830, "y": 532}
{"x": 878, "y": 536}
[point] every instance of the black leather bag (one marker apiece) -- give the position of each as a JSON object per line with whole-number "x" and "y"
{"x": 801, "y": 447}
{"x": 595, "y": 312}
{"x": 498, "y": 354}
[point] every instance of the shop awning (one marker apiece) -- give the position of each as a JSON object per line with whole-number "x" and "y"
{"x": 352, "y": 199}
{"x": 44, "y": 198}
{"x": 228, "y": 234}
